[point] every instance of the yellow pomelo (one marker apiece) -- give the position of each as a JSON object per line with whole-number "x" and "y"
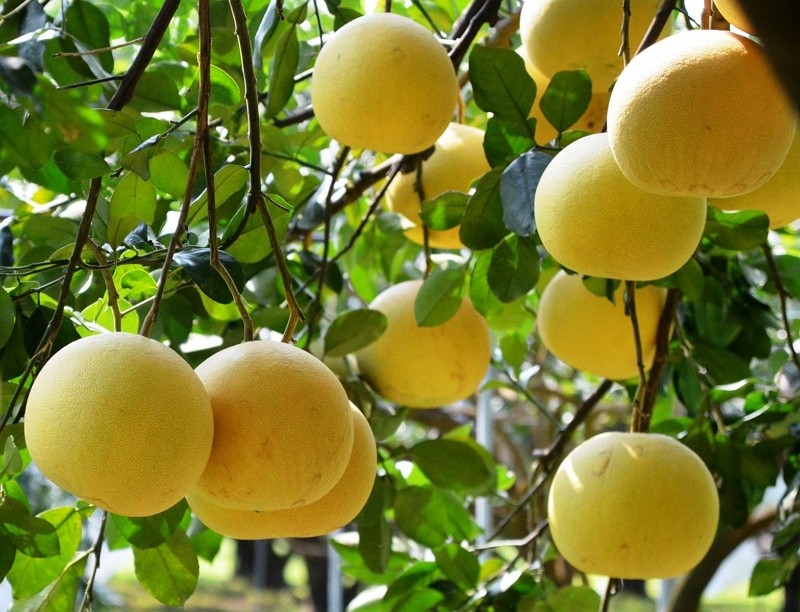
{"x": 330, "y": 512}
{"x": 594, "y": 221}
{"x": 633, "y": 505}
{"x": 581, "y": 34}
{"x": 457, "y": 160}
{"x": 592, "y": 120}
{"x": 121, "y": 421}
{"x": 384, "y": 82}
{"x": 283, "y": 429}
{"x": 779, "y": 197}
{"x": 425, "y": 367}
{"x": 589, "y": 333}
{"x": 700, "y": 113}
{"x": 733, "y": 13}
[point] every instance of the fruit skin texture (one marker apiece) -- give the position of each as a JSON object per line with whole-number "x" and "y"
{"x": 700, "y": 113}
{"x": 779, "y": 197}
{"x": 384, "y": 82}
{"x": 633, "y": 505}
{"x": 457, "y": 160}
{"x": 574, "y": 34}
{"x": 594, "y": 221}
{"x": 732, "y": 11}
{"x": 425, "y": 367}
{"x": 589, "y": 333}
{"x": 333, "y": 510}
{"x": 283, "y": 430}
{"x": 121, "y": 421}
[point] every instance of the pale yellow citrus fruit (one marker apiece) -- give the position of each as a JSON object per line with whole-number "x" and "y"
{"x": 700, "y": 113}
{"x": 425, "y": 367}
{"x": 779, "y": 197}
{"x": 579, "y": 34}
{"x": 733, "y": 13}
{"x": 457, "y": 160}
{"x": 121, "y": 421}
{"x": 594, "y": 221}
{"x": 283, "y": 429}
{"x": 589, "y": 333}
{"x": 633, "y": 505}
{"x": 592, "y": 120}
{"x": 384, "y": 82}
{"x": 330, "y": 512}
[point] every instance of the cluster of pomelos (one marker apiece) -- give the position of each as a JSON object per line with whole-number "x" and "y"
{"x": 261, "y": 437}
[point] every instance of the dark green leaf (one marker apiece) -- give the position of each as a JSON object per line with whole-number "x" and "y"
{"x": 716, "y": 322}
{"x": 169, "y": 571}
{"x": 8, "y": 553}
{"x": 723, "y": 366}
{"x": 88, "y": 24}
{"x": 566, "y": 98}
{"x": 32, "y": 536}
{"x": 8, "y": 317}
{"x": 133, "y": 202}
{"x": 514, "y": 268}
{"x": 374, "y": 533}
{"x": 689, "y": 279}
{"x": 197, "y": 264}
{"x": 500, "y": 83}
{"x": 687, "y": 386}
{"x": 789, "y": 270}
{"x": 482, "y": 226}
{"x": 252, "y": 244}
{"x": 12, "y": 460}
{"x": 741, "y": 231}
{"x": 440, "y": 297}
{"x": 768, "y": 575}
{"x": 459, "y": 565}
{"x": 150, "y": 531}
{"x": 266, "y": 28}
{"x": 230, "y": 182}
{"x": 444, "y": 211}
{"x": 79, "y": 165}
{"x": 155, "y": 94}
{"x": 518, "y": 185}
{"x": 432, "y": 516}
{"x": 505, "y": 140}
{"x": 353, "y": 330}
{"x": 421, "y": 599}
{"x": 30, "y": 575}
{"x": 281, "y": 74}
{"x": 416, "y": 577}
{"x": 453, "y": 464}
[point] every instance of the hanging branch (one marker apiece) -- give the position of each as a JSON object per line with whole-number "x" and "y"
{"x": 255, "y": 197}
{"x": 630, "y": 310}
{"x": 95, "y": 550}
{"x": 657, "y": 25}
{"x": 782, "y": 299}
{"x": 108, "y": 279}
{"x": 625, "y": 47}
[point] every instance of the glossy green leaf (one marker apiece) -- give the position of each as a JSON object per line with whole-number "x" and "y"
{"x": 169, "y": 571}
{"x": 197, "y": 265}
{"x": 281, "y": 74}
{"x": 207, "y": 543}
{"x": 353, "y": 330}
{"x": 768, "y": 575}
{"x": 459, "y": 565}
{"x": 60, "y": 595}
{"x": 505, "y": 140}
{"x": 31, "y": 535}
{"x": 433, "y": 516}
{"x": 30, "y": 575}
{"x": 252, "y": 242}
{"x": 714, "y": 316}
{"x": 482, "y": 226}
{"x": 8, "y": 316}
{"x": 150, "y": 531}
{"x": 444, "y": 211}
{"x": 514, "y": 268}
{"x": 374, "y": 533}
{"x": 566, "y": 98}
{"x": 230, "y": 182}
{"x": 440, "y": 297}
{"x": 500, "y": 82}
{"x": 518, "y": 185}
{"x": 453, "y": 464}
{"x": 133, "y": 202}
{"x": 742, "y": 230}
{"x": 79, "y": 165}
{"x": 88, "y": 24}
{"x": 570, "y": 599}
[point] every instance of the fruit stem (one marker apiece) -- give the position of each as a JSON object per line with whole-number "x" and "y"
{"x": 96, "y": 550}
{"x": 625, "y": 46}
{"x": 782, "y": 297}
{"x": 108, "y": 279}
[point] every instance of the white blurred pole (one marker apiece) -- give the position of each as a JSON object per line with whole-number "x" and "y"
{"x": 484, "y": 435}
{"x": 335, "y": 588}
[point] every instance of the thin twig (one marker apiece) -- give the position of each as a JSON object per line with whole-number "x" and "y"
{"x": 630, "y": 310}
{"x": 625, "y": 46}
{"x": 657, "y": 25}
{"x": 610, "y": 591}
{"x": 782, "y": 300}
{"x": 97, "y": 51}
{"x": 419, "y": 189}
{"x": 96, "y": 550}
{"x": 22, "y": 5}
{"x": 90, "y": 82}
{"x": 255, "y": 197}
{"x": 108, "y": 279}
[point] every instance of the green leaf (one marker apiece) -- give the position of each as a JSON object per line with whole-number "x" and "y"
{"x": 196, "y": 263}
{"x": 723, "y": 366}
{"x": 482, "y": 226}
{"x": 789, "y": 270}
{"x": 12, "y": 460}
{"x": 740, "y": 231}
{"x": 155, "y": 93}
{"x": 30, "y": 575}
{"x": 252, "y": 244}
{"x": 768, "y": 575}
{"x": 505, "y": 140}
{"x": 440, "y": 297}
{"x": 229, "y": 181}
{"x": 150, "y": 531}
{"x": 453, "y": 464}
{"x": 207, "y": 543}
{"x": 224, "y": 89}
{"x": 133, "y": 202}
{"x": 169, "y": 571}
{"x": 518, "y": 185}
{"x": 32, "y": 536}
{"x": 80, "y": 165}
{"x": 60, "y": 595}
{"x": 444, "y": 211}
{"x": 168, "y": 173}
{"x": 514, "y": 268}
{"x": 374, "y": 533}
{"x": 353, "y": 330}
{"x": 459, "y": 565}
{"x": 8, "y": 317}
{"x": 566, "y": 98}
{"x": 716, "y": 322}
{"x": 500, "y": 83}
{"x": 88, "y": 24}
{"x": 281, "y": 74}
{"x": 570, "y": 599}
{"x": 432, "y": 516}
